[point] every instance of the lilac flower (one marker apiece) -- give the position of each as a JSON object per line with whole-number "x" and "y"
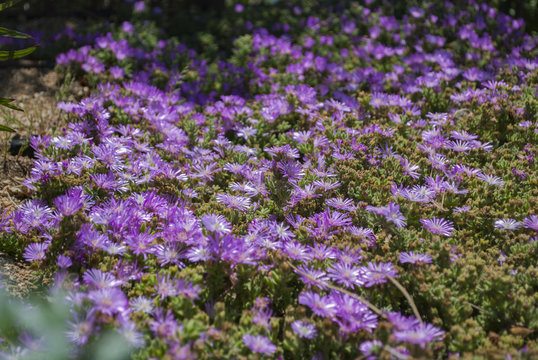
{"x": 240, "y": 203}
{"x": 291, "y": 169}
{"x": 297, "y": 251}
{"x": 531, "y": 222}
{"x": 35, "y": 251}
{"x": 341, "y": 204}
{"x": 352, "y": 314}
{"x": 100, "y": 280}
{"x": 377, "y": 273}
{"x": 491, "y": 180}
{"x": 322, "y": 252}
{"x": 163, "y": 325}
{"x": 321, "y": 306}
{"x": 363, "y": 233}
{"x": 142, "y": 304}
{"x": 204, "y": 172}
{"x": 304, "y": 329}
{"x": 346, "y": 274}
{"x": 261, "y": 315}
{"x": 35, "y": 215}
{"x": 140, "y": 243}
{"x": 169, "y": 253}
{"x": 422, "y": 334}
{"x": 438, "y": 226}
{"x": 32, "y": 343}
{"x": 402, "y": 322}
{"x": 165, "y": 286}
{"x": 371, "y": 349}
{"x": 64, "y": 261}
{"x": 198, "y": 253}
{"x": 391, "y": 212}
{"x": 462, "y": 209}
{"x": 108, "y": 301}
{"x": 131, "y": 335}
{"x": 259, "y": 344}
{"x": 507, "y": 224}
{"x": 281, "y": 231}
{"x": 70, "y": 203}
{"x": 216, "y": 223}
{"x": 81, "y": 328}
{"x": 412, "y": 258}
{"x": 410, "y": 169}
{"x": 519, "y": 173}
{"x": 139, "y": 6}
{"x": 350, "y": 255}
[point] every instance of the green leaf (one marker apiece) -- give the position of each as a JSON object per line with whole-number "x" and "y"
{"x": 7, "y": 103}
{"x": 13, "y": 34}
{"x": 8, "y": 4}
{"x": 6, "y": 129}
{"x": 15, "y": 54}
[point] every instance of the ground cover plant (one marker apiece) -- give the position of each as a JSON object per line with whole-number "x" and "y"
{"x": 313, "y": 180}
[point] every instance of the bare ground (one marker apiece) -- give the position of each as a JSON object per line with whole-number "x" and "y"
{"x": 35, "y": 91}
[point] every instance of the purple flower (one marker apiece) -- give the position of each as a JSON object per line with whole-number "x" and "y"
{"x": 259, "y": 344}
{"x": 507, "y": 224}
{"x": 410, "y": 169}
{"x": 165, "y": 286}
{"x": 491, "y": 180}
{"x": 438, "y": 226}
{"x": 34, "y": 214}
{"x": 164, "y": 325}
{"x": 116, "y": 72}
{"x": 321, "y": 306}
{"x": 341, "y": 204}
{"x": 169, "y": 253}
{"x": 109, "y": 301}
{"x": 392, "y": 214}
{"x": 35, "y": 251}
{"x": 133, "y": 337}
{"x": 139, "y": 6}
{"x": 402, "y": 322}
{"x": 240, "y": 203}
{"x": 531, "y": 222}
{"x": 352, "y": 314}
{"x": 421, "y": 335}
{"x": 100, "y": 280}
{"x": 377, "y": 273}
{"x": 371, "y": 349}
{"x": 216, "y": 223}
{"x": 304, "y": 329}
{"x": 70, "y": 203}
{"x": 315, "y": 277}
{"x": 462, "y": 209}
{"x": 412, "y": 258}
{"x": 142, "y": 304}
{"x": 297, "y": 251}
{"x": 64, "y": 261}
{"x": 81, "y": 328}
{"x": 345, "y": 274}
{"x": 204, "y": 172}
{"x": 239, "y": 8}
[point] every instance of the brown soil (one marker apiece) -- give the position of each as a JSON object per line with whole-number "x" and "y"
{"x": 18, "y": 278}
{"x": 13, "y": 172}
{"x": 35, "y": 91}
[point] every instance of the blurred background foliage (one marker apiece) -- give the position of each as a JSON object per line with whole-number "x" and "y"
{"x": 194, "y": 22}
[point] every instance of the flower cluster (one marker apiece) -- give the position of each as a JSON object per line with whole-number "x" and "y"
{"x": 338, "y": 172}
